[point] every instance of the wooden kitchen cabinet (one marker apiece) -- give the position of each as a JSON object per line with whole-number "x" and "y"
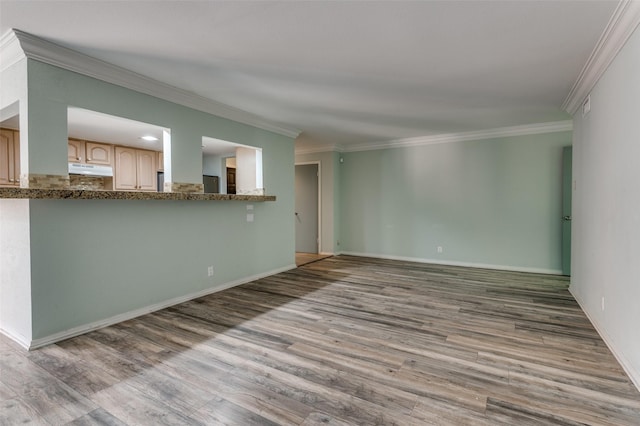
{"x": 99, "y": 153}
{"x": 76, "y": 151}
{"x": 83, "y": 152}
{"x": 9, "y": 158}
{"x": 135, "y": 169}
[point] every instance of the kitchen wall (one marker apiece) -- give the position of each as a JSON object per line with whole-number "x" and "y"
{"x": 91, "y": 262}
{"x": 606, "y": 207}
{"x": 493, "y": 203}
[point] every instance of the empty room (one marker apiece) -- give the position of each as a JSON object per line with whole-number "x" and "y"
{"x": 320, "y": 212}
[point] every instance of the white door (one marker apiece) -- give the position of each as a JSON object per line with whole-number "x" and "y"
{"x": 306, "y": 215}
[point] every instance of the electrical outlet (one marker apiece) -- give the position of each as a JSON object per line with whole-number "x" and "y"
{"x": 210, "y": 271}
{"x": 439, "y": 249}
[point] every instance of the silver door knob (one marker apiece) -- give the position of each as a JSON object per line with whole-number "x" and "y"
{"x": 566, "y": 217}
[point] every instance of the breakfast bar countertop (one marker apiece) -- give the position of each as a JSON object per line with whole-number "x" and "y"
{"x": 82, "y": 194}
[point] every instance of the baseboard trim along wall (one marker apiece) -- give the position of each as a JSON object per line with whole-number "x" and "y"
{"x": 456, "y": 263}
{"x": 21, "y": 340}
{"x": 76, "y": 331}
{"x": 633, "y": 374}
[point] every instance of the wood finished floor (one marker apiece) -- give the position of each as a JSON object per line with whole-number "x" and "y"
{"x": 305, "y": 258}
{"x": 341, "y": 341}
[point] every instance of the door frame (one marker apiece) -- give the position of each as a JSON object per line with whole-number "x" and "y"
{"x": 319, "y": 164}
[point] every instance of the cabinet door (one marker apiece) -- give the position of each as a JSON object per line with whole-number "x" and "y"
{"x": 7, "y": 158}
{"x": 75, "y": 151}
{"x": 98, "y": 153}
{"x": 125, "y": 169}
{"x": 147, "y": 180}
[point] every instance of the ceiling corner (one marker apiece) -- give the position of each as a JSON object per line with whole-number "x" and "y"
{"x": 622, "y": 24}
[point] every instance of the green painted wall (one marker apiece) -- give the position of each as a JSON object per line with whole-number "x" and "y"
{"x": 493, "y": 202}
{"x": 96, "y": 259}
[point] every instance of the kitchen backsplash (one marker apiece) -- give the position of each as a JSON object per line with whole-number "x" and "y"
{"x": 87, "y": 182}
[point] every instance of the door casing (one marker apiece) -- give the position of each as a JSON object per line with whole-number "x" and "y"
{"x": 304, "y": 163}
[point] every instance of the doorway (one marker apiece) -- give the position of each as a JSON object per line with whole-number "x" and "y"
{"x": 307, "y": 213}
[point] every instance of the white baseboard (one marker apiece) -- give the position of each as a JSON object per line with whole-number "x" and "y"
{"x": 326, "y": 253}
{"x": 19, "y": 339}
{"x": 628, "y": 368}
{"x": 82, "y": 329}
{"x": 456, "y": 263}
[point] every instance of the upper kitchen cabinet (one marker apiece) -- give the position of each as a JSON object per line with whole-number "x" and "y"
{"x": 9, "y": 158}
{"x": 135, "y": 169}
{"x": 76, "y": 151}
{"x": 147, "y": 175}
{"x": 98, "y": 153}
{"x": 83, "y": 152}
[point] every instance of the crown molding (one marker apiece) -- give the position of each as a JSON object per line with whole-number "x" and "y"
{"x": 315, "y": 149}
{"x": 10, "y": 50}
{"x": 501, "y": 132}
{"x": 50, "y": 53}
{"x": 623, "y": 22}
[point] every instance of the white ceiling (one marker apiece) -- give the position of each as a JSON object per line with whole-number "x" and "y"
{"x": 95, "y": 126}
{"x": 343, "y": 72}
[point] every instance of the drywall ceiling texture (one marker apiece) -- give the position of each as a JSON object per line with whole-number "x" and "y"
{"x": 343, "y": 72}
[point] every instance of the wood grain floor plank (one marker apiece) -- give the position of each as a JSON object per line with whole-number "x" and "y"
{"x": 98, "y": 417}
{"x": 341, "y": 341}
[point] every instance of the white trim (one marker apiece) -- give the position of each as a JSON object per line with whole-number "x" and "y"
{"x": 326, "y": 253}
{"x": 53, "y": 54}
{"x": 633, "y": 374}
{"x": 501, "y": 132}
{"x": 319, "y": 164}
{"x": 315, "y": 149}
{"x": 456, "y": 263}
{"x": 19, "y": 339}
{"x": 76, "y": 331}
{"x": 623, "y": 22}
{"x": 10, "y": 50}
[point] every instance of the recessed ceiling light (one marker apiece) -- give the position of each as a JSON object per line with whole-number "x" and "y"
{"x": 149, "y": 138}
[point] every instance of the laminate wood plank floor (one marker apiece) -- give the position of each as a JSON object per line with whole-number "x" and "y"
{"x": 341, "y": 341}
{"x": 305, "y": 258}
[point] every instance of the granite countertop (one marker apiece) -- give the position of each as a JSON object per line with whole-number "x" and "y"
{"x": 81, "y": 194}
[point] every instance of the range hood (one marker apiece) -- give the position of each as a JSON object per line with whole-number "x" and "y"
{"x": 90, "y": 170}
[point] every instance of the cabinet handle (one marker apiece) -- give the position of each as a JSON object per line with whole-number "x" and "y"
{"x": 78, "y": 158}
{"x": 11, "y": 180}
